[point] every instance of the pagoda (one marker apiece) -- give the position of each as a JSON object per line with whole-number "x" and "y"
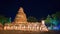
{"x": 21, "y": 16}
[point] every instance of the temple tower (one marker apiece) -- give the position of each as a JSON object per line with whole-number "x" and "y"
{"x": 21, "y": 16}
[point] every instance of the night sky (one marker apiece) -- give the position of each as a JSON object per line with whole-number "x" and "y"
{"x": 36, "y": 8}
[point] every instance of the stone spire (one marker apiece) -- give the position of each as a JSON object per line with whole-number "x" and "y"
{"x": 21, "y": 16}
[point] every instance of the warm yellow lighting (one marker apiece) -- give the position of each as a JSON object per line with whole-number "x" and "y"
{"x": 23, "y": 25}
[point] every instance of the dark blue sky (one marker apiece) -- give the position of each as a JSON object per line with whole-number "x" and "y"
{"x": 36, "y": 8}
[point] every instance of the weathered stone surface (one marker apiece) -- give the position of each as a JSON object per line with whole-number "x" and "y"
{"x": 21, "y": 16}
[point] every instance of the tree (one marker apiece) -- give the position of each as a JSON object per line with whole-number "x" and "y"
{"x": 56, "y": 18}
{"x": 32, "y": 19}
{"x": 56, "y": 15}
{"x": 9, "y": 20}
{"x": 48, "y": 21}
{"x": 4, "y": 20}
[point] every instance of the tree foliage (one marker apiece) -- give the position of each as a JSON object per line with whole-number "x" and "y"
{"x": 53, "y": 19}
{"x": 4, "y": 20}
{"x": 48, "y": 19}
{"x": 56, "y": 15}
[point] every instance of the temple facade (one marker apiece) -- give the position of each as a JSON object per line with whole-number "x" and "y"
{"x": 21, "y": 23}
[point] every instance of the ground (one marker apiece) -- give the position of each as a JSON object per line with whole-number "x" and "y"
{"x": 26, "y": 32}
